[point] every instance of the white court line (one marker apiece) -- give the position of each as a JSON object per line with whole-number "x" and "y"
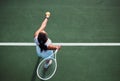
{"x": 62, "y": 44}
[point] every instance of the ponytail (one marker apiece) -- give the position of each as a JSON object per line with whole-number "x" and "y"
{"x": 42, "y": 38}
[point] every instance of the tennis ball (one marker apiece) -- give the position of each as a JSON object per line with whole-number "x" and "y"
{"x": 47, "y": 14}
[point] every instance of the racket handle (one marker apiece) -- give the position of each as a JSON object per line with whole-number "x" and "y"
{"x": 56, "y": 51}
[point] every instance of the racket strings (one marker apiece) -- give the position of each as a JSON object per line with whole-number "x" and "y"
{"x": 47, "y": 67}
{"x": 46, "y": 72}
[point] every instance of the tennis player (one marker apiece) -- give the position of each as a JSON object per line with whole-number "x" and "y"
{"x": 44, "y": 46}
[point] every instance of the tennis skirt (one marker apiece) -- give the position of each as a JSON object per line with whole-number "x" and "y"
{"x": 43, "y": 54}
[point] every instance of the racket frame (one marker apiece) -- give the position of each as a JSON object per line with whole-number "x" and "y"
{"x": 50, "y": 57}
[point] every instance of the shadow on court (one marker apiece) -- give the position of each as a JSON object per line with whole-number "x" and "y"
{"x": 34, "y": 75}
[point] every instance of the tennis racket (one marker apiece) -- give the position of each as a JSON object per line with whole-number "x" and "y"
{"x": 44, "y": 72}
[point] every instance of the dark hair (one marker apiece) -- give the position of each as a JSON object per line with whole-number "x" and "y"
{"x": 42, "y": 38}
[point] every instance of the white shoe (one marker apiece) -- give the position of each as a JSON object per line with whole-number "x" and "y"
{"x": 48, "y": 64}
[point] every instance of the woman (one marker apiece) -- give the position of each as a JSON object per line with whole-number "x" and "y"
{"x": 44, "y": 46}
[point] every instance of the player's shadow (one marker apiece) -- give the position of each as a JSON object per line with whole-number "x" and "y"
{"x": 34, "y": 75}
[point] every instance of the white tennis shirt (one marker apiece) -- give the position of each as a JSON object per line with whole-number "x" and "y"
{"x": 46, "y": 53}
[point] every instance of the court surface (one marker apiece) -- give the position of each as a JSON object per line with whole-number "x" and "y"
{"x": 77, "y": 21}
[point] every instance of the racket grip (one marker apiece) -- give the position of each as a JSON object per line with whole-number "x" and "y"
{"x": 56, "y": 51}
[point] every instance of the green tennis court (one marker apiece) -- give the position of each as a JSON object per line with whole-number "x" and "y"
{"x": 77, "y": 21}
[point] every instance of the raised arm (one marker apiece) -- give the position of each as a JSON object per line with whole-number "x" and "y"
{"x": 43, "y": 25}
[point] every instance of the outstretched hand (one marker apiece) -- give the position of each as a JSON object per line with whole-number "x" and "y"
{"x": 58, "y": 47}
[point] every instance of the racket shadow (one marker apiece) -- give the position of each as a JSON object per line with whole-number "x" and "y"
{"x": 34, "y": 75}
